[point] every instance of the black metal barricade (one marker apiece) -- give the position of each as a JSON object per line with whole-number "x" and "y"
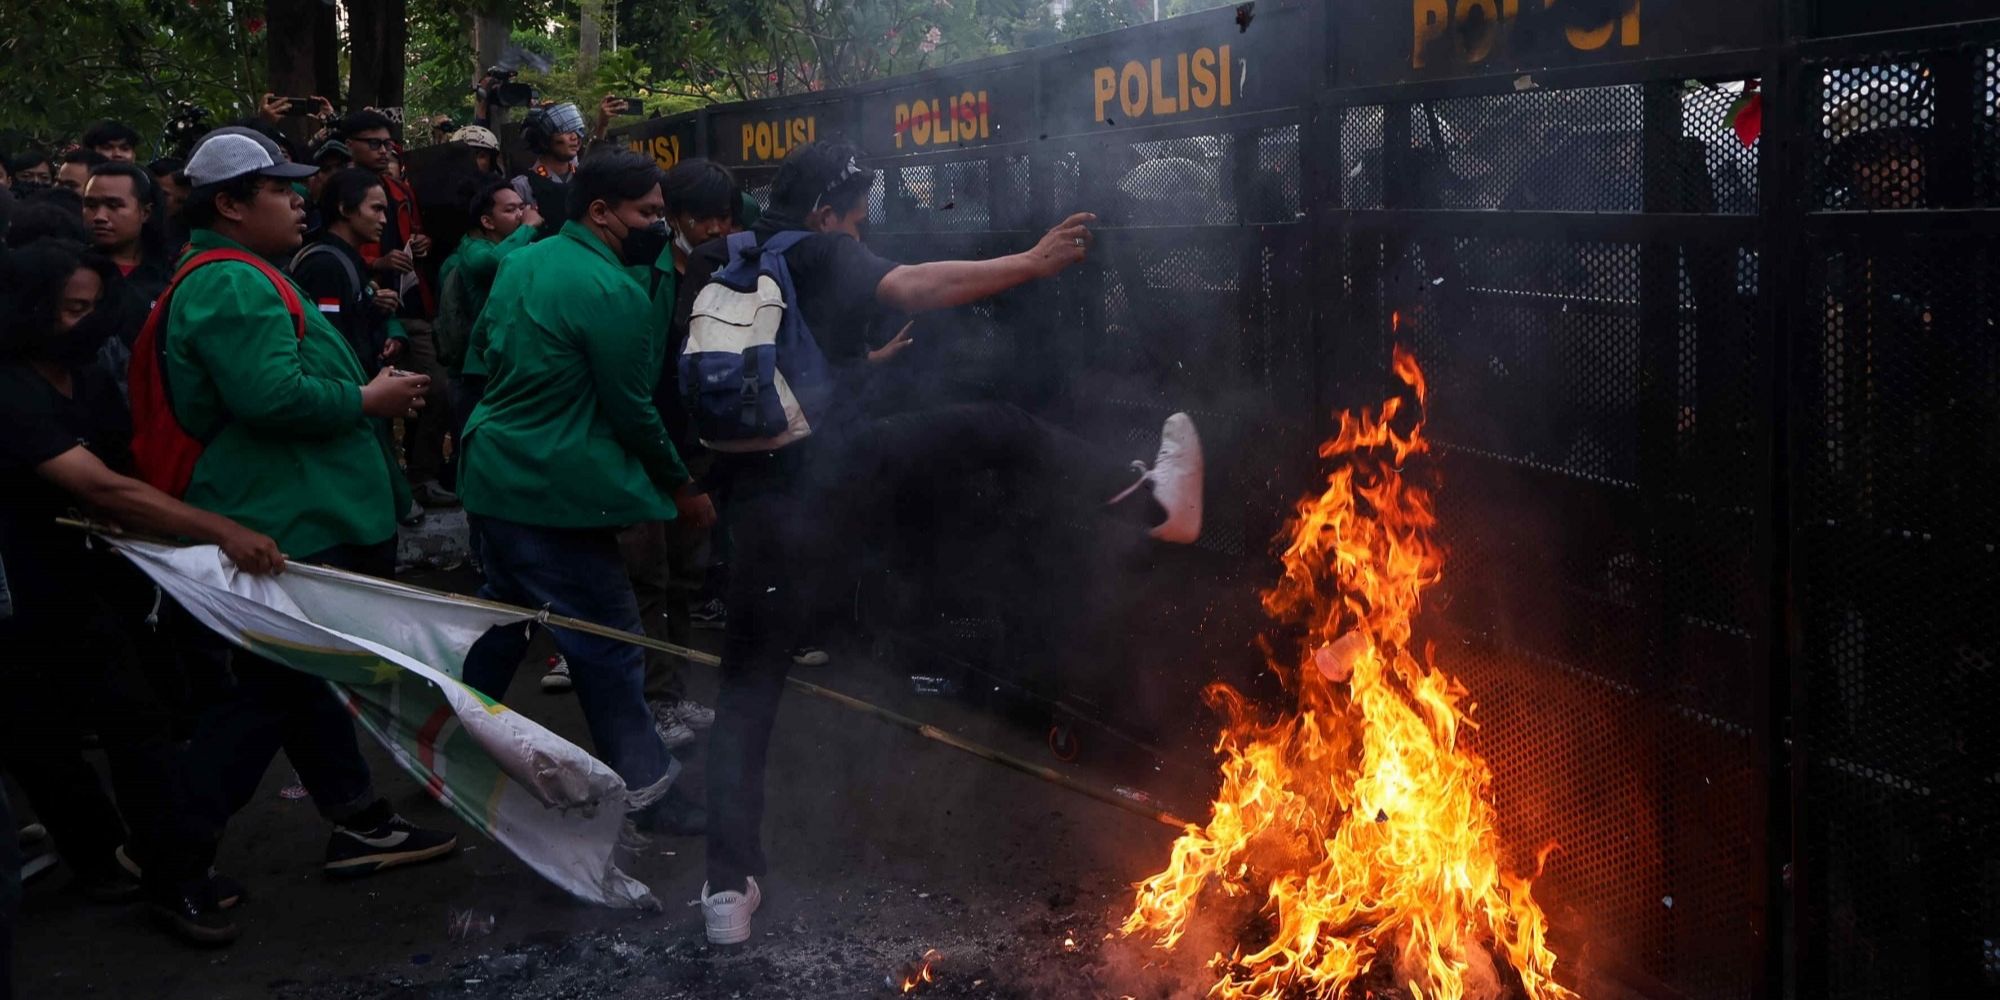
{"x": 1706, "y": 297}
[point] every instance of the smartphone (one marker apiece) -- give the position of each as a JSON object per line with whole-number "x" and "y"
{"x": 634, "y": 107}
{"x": 299, "y": 107}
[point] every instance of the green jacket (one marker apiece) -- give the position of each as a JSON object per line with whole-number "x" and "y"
{"x": 289, "y": 452}
{"x": 480, "y": 260}
{"x": 567, "y": 435}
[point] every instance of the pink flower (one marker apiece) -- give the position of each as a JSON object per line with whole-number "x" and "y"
{"x": 931, "y": 40}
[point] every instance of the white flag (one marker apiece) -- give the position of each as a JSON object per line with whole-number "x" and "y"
{"x": 394, "y": 655}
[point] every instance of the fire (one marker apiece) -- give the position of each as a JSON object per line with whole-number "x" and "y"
{"x": 1365, "y": 825}
{"x": 918, "y": 973}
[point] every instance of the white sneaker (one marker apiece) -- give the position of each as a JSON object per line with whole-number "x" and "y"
{"x": 810, "y": 656}
{"x": 694, "y": 713}
{"x": 1177, "y": 481}
{"x": 556, "y": 681}
{"x": 674, "y": 731}
{"x": 727, "y": 914}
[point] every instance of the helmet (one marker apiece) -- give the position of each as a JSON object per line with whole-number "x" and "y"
{"x": 477, "y": 137}
{"x": 543, "y": 124}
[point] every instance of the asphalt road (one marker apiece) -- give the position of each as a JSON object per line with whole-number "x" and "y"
{"x": 883, "y": 845}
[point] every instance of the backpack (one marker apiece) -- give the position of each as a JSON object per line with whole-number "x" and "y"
{"x": 751, "y": 374}
{"x": 164, "y": 452}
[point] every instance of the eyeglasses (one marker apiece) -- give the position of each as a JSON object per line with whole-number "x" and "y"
{"x": 375, "y": 144}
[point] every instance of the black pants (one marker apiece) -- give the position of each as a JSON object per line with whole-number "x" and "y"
{"x": 259, "y": 707}
{"x": 792, "y": 515}
{"x": 10, "y": 895}
{"x": 79, "y": 668}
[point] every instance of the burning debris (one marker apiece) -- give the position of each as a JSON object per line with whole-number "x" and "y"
{"x": 916, "y": 974}
{"x": 1358, "y": 818}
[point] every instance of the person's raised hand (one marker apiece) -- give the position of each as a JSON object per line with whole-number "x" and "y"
{"x": 896, "y": 345}
{"x": 393, "y": 349}
{"x": 420, "y": 245}
{"x": 394, "y": 393}
{"x": 386, "y": 300}
{"x": 610, "y": 107}
{"x": 252, "y": 552}
{"x": 531, "y": 215}
{"x": 323, "y": 110}
{"x": 1067, "y": 244}
{"x": 272, "y": 107}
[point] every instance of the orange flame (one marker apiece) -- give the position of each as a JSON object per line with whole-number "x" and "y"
{"x": 915, "y": 976}
{"x": 1368, "y": 826}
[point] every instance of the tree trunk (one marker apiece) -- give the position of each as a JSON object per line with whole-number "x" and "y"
{"x": 588, "y": 42}
{"x": 291, "y": 66}
{"x": 376, "y": 32}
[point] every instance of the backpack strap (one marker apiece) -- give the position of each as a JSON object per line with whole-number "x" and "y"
{"x": 311, "y": 250}
{"x": 286, "y": 290}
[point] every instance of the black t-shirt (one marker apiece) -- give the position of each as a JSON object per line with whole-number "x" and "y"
{"x": 342, "y": 295}
{"x": 835, "y": 278}
{"x": 40, "y": 424}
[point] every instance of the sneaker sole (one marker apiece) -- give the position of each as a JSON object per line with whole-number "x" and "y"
{"x": 729, "y": 935}
{"x": 560, "y": 687}
{"x": 369, "y": 865}
{"x": 194, "y": 934}
{"x": 132, "y": 868}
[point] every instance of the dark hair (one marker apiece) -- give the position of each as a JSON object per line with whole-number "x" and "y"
{"x": 32, "y": 276}
{"x": 818, "y": 174}
{"x": 272, "y": 132}
{"x": 143, "y": 184}
{"x": 166, "y": 166}
{"x": 614, "y": 176}
{"x": 27, "y": 159}
{"x": 199, "y": 211}
{"x": 365, "y": 121}
{"x": 106, "y": 133}
{"x": 344, "y": 192}
{"x": 482, "y": 203}
{"x": 53, "y": 214}
{"x": 86, "y": 156}
{"x": 704, "y": 189}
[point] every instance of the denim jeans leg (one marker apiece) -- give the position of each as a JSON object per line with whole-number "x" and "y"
{"x": 578, "y": 573}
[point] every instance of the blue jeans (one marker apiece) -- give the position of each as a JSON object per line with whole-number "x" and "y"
{"x": 576, "y": 572}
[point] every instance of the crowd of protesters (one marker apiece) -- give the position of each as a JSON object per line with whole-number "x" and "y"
{"x": 353, "y": 347}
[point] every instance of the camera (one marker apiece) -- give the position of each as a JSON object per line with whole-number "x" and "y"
{"x": 505, "y": 93}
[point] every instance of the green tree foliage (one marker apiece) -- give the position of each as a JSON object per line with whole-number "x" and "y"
{"x": 66, "y": 64}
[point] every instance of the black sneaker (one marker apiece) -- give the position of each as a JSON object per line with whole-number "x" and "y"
{"x": 353, "y": 853}
{"x": 193, "y": 919}
{"x": 223, "y": 892}
{"x": 711, "y": 614}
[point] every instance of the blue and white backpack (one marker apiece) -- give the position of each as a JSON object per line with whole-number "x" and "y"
{"x": 751, "y": 375}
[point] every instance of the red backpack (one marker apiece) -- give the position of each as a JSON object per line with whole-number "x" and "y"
{"x": 163, "y": 450}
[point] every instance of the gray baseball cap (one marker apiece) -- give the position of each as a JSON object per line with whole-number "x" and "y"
{"x": 228, "y": 153}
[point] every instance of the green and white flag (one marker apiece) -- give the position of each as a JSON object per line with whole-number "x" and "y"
{"x": 394, "y": 655}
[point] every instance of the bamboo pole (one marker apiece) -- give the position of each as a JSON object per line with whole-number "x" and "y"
{"x": 923, "y": 729}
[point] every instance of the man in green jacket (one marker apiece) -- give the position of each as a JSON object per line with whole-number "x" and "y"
{"x": 701, "y": 199}
{"x": 505, "y": 223}
{"x": 566, "y": 448}
{"x": 290, "y": 453}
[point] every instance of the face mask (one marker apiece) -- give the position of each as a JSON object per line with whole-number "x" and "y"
{"x": 681, "y": 242}
{"x": 643, "y": 246}
{"x": 79, "y": 346}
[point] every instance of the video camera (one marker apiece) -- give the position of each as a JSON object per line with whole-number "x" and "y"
{"x": 505, "y": 93}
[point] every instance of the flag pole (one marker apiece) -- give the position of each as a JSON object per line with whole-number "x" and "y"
{"x": 923, "y": 729}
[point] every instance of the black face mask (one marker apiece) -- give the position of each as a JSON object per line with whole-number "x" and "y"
{"x": 641, "y": 247}
{"x": 78, "y": 347}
